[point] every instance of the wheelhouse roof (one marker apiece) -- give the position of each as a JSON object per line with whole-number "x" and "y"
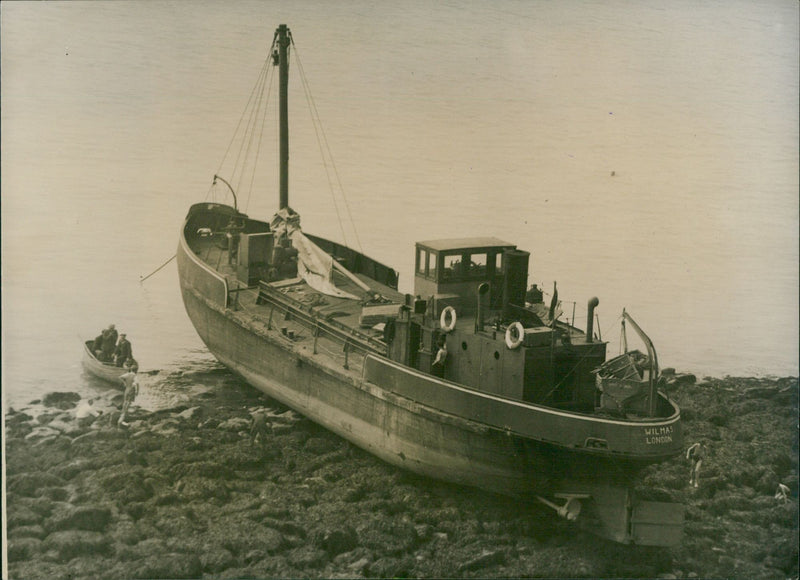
{"x": 478, "y": 243}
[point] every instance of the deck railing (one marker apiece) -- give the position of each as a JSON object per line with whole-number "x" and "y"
{"x": 351, "y": 338}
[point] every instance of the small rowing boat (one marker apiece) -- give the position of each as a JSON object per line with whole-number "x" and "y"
{"x": 102, "y": 370}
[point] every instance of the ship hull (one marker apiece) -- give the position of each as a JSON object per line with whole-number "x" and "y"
{"x": 394, "y": 421}
{"x": 389, "y": 426}
{"x": 515, "y": 421}
{"x": 416, "y": 421}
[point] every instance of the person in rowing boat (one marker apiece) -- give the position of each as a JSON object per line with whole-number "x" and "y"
{"x": 131, "y": 384}
{"x": 124, "y": 351}
{"x": 97, "y": 345}
{"x": 109, "y": 343}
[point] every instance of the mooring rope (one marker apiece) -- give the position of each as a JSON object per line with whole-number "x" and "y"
{"x": 143, "y": 278}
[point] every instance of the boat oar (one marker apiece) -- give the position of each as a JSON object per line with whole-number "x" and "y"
{"x": 142, "y": 279}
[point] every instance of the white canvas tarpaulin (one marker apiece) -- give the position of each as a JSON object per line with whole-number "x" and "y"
{"x": 314, "y": 265}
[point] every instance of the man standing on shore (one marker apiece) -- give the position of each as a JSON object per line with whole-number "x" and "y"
{"x": 695, "y": 454}
{"x": 131, "y": 390}
{"x": 260, "y": 427}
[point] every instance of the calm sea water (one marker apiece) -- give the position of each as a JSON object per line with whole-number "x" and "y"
{"x": 646, "y": 153}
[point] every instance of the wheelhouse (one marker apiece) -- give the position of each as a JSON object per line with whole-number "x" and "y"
{"x": 451, "y": 270}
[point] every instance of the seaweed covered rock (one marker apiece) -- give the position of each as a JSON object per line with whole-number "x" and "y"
{"x": 89, "y": 518}
{"x": 175, "y": 496}
{"x": 32, "y": 484}
{"x": 61, "y": 400}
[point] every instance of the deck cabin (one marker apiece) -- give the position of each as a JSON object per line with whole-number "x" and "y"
{"x": 500, "y": 342}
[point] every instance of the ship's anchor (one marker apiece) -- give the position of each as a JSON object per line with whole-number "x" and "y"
{"x": 571, "y": 509}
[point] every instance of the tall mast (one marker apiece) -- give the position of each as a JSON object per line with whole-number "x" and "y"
{"x": 284, "y": 38}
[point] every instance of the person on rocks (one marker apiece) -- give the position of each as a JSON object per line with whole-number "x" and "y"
{"x": 123, "y": 351}
{"x": 782, "y": 493}
{"x": 131, "y": 384}
{"x": 109, "y": 343}
{"x": 695, "y": 454}
{"x": 259, "y": 427}
{"x": 86, "y": 413}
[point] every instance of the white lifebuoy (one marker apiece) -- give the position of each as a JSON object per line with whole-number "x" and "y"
{"x": 448, "y": 313}
{"x": 513, "y": 342}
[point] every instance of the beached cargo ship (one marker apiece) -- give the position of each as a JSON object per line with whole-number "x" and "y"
{"x": 472, "y": 378}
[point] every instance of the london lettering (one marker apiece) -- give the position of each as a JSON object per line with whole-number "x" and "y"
{"x": 658, "y": 435}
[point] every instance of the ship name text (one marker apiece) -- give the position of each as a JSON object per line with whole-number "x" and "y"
{"x": 658, "y": 435}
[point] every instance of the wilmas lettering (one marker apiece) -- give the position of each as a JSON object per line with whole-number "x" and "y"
{"x": 658, "y": 435}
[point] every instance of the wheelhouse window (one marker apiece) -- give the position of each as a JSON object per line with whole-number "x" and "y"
{"x": 426, "y": 263}
{"x": 498, "y": 264}
{"x": 432, "y": 264}
{"x": 465, "y": 265}
{"x": 476, "y": 265}
{"x": 451, "y": 266}
{"x": 457, "y": 265}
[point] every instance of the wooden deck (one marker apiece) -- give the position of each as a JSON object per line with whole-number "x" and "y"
{"x": 303, "y": 315}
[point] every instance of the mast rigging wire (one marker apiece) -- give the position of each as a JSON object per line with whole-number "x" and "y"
{"x": 251, "y": 111}
{"x": 323, "y": 142}
{"x": 249, "y": 133}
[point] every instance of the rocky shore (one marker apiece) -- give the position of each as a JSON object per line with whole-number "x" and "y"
{"x": 184, "y": 493}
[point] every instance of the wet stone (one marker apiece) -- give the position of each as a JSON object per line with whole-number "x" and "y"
{"x": 337, "y": 541}
{"x": 486, "y": 559}
{"x": 14, "y": 418}
{"x": 42, "y": 433}
{"x": 54, "y": 493}
{"x": 88, "y": 518}
{"x": 172, "y": 565}
{"x": 61, "y": 400}
{"x": 33, "y": 531}
{"x": 214, "y": 560}
{"x": 235, "y": 424}
{"x": 192, "y": 413}
{"x": 72, "y": 543}
{"x": 305, "y": 557}
{"x": 127, "y": 486}
{"x": 319, "y": 446}
{"x": 20, "y": 516}
{"x": 23, "y": 548}
{"x": 391, "y": 568}
{"x": 31, "y": 484}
